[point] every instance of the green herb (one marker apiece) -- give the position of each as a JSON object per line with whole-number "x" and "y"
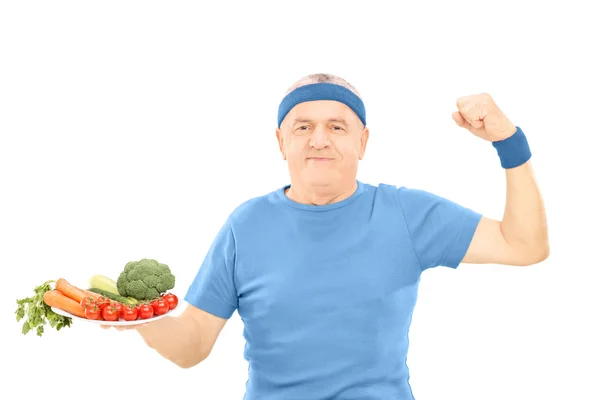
{"x": 37, "y": 313}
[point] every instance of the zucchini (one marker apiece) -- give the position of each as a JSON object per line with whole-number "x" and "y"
{"x": 115, "y": 297}
{"x": 104, "y": 283}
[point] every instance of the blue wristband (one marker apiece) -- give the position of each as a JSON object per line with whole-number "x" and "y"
{"x": 514, "y": 150}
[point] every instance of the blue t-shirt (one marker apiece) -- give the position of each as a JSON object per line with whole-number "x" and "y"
{"x": 326, "y": 293}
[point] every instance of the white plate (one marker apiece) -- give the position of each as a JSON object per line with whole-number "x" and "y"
{"x": 119, "y": 322}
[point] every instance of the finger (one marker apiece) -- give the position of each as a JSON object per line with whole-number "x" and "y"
{"x": 476, "y": 123}
{"x": 461, "y": 101}
{"x": 123, "y": 328}
{"x": 119, "y": 328}
{"x": 474, "y": 114}
{"x": 458, "y": 118}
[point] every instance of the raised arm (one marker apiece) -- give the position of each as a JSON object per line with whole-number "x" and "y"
{"x": 521, "y": 238}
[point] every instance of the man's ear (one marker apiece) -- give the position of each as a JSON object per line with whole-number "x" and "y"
{"x": 364, "y": 138}
{"x": 279, "y": 136}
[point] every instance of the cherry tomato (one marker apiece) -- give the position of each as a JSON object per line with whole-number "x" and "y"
{"x": 160, "y": 306}
{"x": 145, "y": 311}
{"x": 172, "y": 300}
{"x": 102, "y": 302}
{"x": 109, "y": 313}
{"x": 118, "y": 306}
{"x": 92, "y": 312}
{"x": 87, "y": 301}
{"x": 129, "y": 313}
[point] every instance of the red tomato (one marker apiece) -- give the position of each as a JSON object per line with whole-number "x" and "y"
{"x": 172, "y": 300}
{"x": 145, "y": 311}
{"x": 160, "y": 306}
{"x": 109, "y": 313}
{"x": 117, "y": 305}
{"x": 92, "y": 312}
{"x": 129, "y": 313}
{"x": 87, "y": 301}
{"x": 102, "y": 302}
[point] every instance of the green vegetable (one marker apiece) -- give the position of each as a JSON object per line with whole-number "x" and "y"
{"x": 115, "y": 297}
{"x": 37, "y": 313}
{"x": 145, "y": 279}
{"x": 104, "y": 283}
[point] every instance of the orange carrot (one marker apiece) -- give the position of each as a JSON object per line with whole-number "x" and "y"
{"x": 92, "y": 294}
{"x": 55, "y": 298}
{"x": 71, "y": 291}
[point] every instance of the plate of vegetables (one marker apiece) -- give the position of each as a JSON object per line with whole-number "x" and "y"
{"x": 140, "y": 295}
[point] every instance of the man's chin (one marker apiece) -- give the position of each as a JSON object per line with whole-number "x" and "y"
{"x": 322, "y": 180}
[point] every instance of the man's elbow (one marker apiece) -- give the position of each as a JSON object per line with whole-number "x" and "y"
{"x": 190, "y": 362}
{"x": 545, "y": 252}
{"x": 536, "y": 255}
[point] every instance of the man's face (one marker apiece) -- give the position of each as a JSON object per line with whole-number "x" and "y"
{"x": 322, "y": 142}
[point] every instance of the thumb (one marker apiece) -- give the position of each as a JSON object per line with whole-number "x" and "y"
{"x": 458, "y": 118}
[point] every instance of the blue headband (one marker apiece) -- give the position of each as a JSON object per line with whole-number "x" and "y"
{"x": 322, "y": 91}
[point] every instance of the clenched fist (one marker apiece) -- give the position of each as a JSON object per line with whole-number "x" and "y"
{"x": 482, "y": 117}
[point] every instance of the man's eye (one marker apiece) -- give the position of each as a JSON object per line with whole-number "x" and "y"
{"x": 303, "y": 127}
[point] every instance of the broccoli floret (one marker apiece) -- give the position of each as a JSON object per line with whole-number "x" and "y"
{"x": 122, "y": 283}
{"x": 151, "y": 281}
{"x": 152, "y": 293}
{"x": 146, "y": 262}
{"x": 145, "y": 279}
{"x": 164, "y": 267}
{"x": 135, "y": 274}
{"x": 166, "y": 281}
{"x": 129, "y": 266}
{"x": 136, "y": 287}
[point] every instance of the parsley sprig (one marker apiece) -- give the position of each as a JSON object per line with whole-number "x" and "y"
{"x": 38, "y": 313}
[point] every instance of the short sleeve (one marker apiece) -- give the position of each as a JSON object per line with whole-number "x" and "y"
{"x": 213, "y": 289}
{"x": 441, "y": 230}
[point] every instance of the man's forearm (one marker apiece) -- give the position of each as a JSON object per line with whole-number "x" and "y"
{"x": 524, "y": 224}
{"x": 174, "y": 339}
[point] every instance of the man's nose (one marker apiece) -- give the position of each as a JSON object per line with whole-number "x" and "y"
{"x": 319, "y": 138}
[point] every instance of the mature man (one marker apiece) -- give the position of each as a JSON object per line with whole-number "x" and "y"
{"x": 324, "y": 271}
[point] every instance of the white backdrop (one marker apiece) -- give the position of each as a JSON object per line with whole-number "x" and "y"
{"x": 132, "y": 129}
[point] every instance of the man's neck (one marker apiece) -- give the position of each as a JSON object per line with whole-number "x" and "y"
{"x": 319, "y": 195}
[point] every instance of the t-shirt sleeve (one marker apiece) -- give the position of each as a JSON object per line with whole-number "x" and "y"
{"x": 213, "y": 289}
{"x": 440, "y": 229}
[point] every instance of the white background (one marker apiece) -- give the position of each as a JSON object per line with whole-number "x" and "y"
{"x": 132, "y": 129}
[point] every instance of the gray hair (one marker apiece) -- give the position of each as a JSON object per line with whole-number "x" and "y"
{"x": 323, "y": 78}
